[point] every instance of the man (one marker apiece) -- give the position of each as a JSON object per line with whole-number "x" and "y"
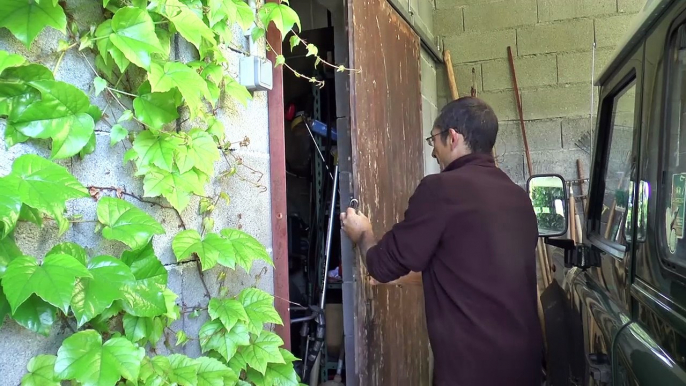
{"x": 472, "y": 234}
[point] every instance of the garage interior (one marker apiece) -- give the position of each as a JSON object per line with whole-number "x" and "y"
{"x": 314, "y": 247}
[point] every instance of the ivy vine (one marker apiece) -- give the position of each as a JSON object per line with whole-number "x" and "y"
{"x": 120, "y": 308}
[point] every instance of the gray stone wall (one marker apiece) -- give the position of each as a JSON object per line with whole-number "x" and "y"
{"x": 249, "y": 210}
{"x": 552, "y": 42}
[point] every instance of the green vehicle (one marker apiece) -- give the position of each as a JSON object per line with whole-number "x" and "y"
{"x": 618, "y": 317}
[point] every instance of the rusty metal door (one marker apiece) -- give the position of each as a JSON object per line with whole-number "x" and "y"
{"x": 391, "y": 342}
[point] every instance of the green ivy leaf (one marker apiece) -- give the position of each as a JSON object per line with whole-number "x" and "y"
{"x": 246, "y": 248}
{"x": 181, "y": 338}
{"x": 26, "y": 19}
{"x": 238, "y": 364}
{"x": 276, "y": 374}
{"x": 176, "y": 187}
{"x": 8, "y": 252}
{"x": 61, "y": 114}
{"x": 126, "y": 115}
{"x": 4, "y": 307}
{"x": 167, "y": 76}
{"x": 155, "y": 371}
{"x": 126, "y": 223}
{"x": 10, "y": 207}
{"x": 45, "y": 186}
{"x": 16, "y": 94}
{"x": 133, "y": 33}
{"x": 211, "y": 372}
{"x": 145, "y": 266}
{"x": 184, "y": 370}
{"x": 258, "y": 33}
{"x": 108, "y": 49}
{"x": 312, "y": 50}
{"x": 201, "y": 152}
{"x": 53, "y": 280}
{"x": 237, "y": 90}
{"x": 156, "y": 149}
{"x": 210, "y": 250}
{"x": 36, "y": 315}
{"x": 85, "y": 358}
{"x": 117, "y": 134}
{"x": 189, "y": 25}
{"x": 216, "y": 128}
{"x": 72, "y": 249}
{"x": 94, "y": 295}
{"x": 263, "y": 351}
{"x": 30, "y": 214}
{"x": 41, "y": 372}
{"x": 146, "y": 296}
{"x": 143, "y": 330}
{"x": 10, "y": 60}
{"x": 228, "y": 311}
{"x": 245, "y": 16}
{"x": 294, "y": 41}
{"x": 280, "y": 59}
{"x": 158, "y": 108}
{"x": 283, "y": 17}
{"x": 213, "y": 336}
{"x": 101, "y": 322}
{"x": 99, "y": 84}
{"x": 259, "y": 306}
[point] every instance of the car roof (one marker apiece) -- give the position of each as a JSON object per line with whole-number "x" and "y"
{"x": 642, "y": 23}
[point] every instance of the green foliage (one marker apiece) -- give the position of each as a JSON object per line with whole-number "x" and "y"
{"x": 53, "y": 280}
{"x": 231, "y": 248}
{"x": 119, "y": 306}
{"x": 42, "y": 185}
{"x": 26, "y": 19}
{"x": 83, "y": 357}
{"x": 126, "y": 223}
{"x": 37, "y": 106}
{"x": 41, "y": 372}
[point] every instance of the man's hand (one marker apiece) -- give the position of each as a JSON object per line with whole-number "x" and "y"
{"x": 355, "y": 225}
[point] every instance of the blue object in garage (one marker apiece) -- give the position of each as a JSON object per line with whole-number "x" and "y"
{"x": 320, "y": 128}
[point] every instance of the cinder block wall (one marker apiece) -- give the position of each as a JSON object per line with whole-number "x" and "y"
{"x": 552, "y": 42}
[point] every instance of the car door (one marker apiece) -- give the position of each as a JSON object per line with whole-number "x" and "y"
{"x": 655, "y": 342}
{"x": 601, "y": 294}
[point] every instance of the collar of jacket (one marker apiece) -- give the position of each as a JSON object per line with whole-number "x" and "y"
{"x": 482, "y": 159}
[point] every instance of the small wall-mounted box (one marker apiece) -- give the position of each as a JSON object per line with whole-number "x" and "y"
{"x": 256, "y": 74}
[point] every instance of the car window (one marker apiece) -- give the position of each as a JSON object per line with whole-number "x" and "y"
{"x": 618, "y": 186}
{"x": 674, "y": 153}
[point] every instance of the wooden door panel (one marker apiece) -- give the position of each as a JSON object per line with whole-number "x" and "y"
{"x": 387, "y": 155}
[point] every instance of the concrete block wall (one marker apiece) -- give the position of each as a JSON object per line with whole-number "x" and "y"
{"x": 429, "y": 107}
{"x": 250, "y": 207}
{"x": 552, "y": 42}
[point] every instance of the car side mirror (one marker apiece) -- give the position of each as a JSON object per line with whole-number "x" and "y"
{"x": 549, "y": 198}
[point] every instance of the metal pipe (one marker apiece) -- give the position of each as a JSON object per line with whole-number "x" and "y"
{"x": 329, "y": 234}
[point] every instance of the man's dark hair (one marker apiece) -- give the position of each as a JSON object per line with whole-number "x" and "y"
{"x": 474, "y": 119}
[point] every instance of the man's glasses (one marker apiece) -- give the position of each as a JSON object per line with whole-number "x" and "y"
{"x": 430, "y": 140}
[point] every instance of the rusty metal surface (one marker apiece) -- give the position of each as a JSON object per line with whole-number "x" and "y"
{"x": 387, "y": 154}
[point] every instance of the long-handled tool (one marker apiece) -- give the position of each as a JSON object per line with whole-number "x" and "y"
{"x": 540, "y": 248}
{"x": 454, "y": 93}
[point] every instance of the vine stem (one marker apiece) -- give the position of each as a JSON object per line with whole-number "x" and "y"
{"x": 304, "y": 42}
{"x": 109, "y": 90}
{"x": 59, "y": 60}
{"x": 122, "y": 92}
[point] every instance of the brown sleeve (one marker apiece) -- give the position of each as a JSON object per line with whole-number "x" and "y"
{"x": 411, "y": 243}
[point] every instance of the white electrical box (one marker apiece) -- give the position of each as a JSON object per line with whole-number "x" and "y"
{"x": 256, "y": 74}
